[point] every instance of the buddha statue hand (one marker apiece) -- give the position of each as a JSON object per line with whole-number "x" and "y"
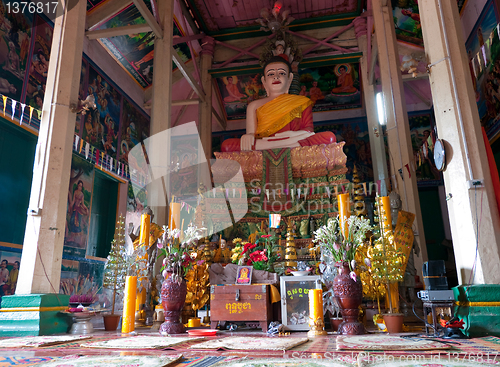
{"x": 247, "y": 141}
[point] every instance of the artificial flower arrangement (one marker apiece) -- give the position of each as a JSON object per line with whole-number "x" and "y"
{"x": 261, "y": 255}
{"x": 178, "y": 257}
{"x": 339, "y": 249}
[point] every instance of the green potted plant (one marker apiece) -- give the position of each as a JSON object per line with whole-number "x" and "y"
{"x": 115, "y": 272}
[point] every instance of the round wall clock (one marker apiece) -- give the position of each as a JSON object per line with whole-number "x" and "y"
{"x": 439, "y": 155}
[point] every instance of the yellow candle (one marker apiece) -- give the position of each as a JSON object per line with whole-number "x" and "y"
{"x": 385, "y": 212}
{"x": 344, "y": 203}
{"x": 145, "y": 225}
{"x": 315, "y": 304}
{"x": 128, "y": 318}
{"x": 174, "y": 215}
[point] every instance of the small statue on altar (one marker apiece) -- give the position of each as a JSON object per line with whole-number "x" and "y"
{"x": 280, "y": 120}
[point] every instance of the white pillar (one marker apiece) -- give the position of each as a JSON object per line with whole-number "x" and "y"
{"x": 377, "y": 145}
{"x": 398, "y": 128}
{"x": 45, "y": 228}
{"x": 473, "y": 213}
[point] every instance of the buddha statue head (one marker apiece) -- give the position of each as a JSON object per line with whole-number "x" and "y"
{"x": 277, "y": 76}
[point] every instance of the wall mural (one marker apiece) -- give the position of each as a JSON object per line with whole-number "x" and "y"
{"x": 82, "y": 94}
{"x": 407, "y": 22}
{"x": 15, "y": 40}
{"x": 39, "y": 64}
{"x": 135, "y": 52}
{"x": 101, "y": 126}
{"x": 331, "y": 88}
{"x": 135, "y": 129}
{"x": 483, "y": 50}
{"x": 423, "y": 138}
{"x": 79, "y": 205}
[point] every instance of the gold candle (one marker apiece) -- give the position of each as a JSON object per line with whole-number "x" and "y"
{"x": 145, "y": 225}
{"x": 385, "y": 212}
{"x": 129, "y": 298}
{"x": 174, "y": 215}
{"x": 344, "y": 202}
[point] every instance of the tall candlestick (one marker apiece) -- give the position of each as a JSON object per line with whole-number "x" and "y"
{"x": 344, "y": 204}
{"x": 316, "y": 313}
{"x": 128, "y": 318}
{"x": 174, "y": 216}
{"x": 145, "y": 225}
{"x": 385, "y": 212}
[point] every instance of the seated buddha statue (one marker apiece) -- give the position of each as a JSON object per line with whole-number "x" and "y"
{"x": 280, "y": 120}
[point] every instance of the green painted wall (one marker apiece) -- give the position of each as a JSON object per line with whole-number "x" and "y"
{"x": 17, "y": 154}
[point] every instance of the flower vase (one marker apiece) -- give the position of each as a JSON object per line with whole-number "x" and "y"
{"x": 349, "y": 295}
{"x": 173, "y": 296}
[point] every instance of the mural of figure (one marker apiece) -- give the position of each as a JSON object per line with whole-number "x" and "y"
{"x": 232, "y": 89}
{"x": 6, "y": 88}
{"x": 77, "y": 211}
{"x": 303, "y": 90}
{"x": 4, "y": 276}
{"x": 12, "y": 281}
{"x": 13, "y": 63}
{"x": 345, "y": 83}
{"x": 315, "y": 93}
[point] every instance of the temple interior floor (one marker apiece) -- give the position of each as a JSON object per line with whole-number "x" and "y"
{"x": 465, "y": 352}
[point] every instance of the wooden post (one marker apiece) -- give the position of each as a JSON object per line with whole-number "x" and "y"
{"x": 45, "y": 228}
{"x": 398, "y": 128}
{"x": 161, "y": 107}
{"x": 473, "y": 212}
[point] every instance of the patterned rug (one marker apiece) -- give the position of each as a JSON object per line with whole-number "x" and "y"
{"x": 140, "y": 342}
{"x": 431, "y": 361}
{"x": 23, "y": 361}
{"x": 112, "y": 361}
{"x": 285, "y": 362}
{"x": 251, "y": 343}
{"x": 204, "y": 361}
{"x": 40, "y": 341}
{"x": 386, "y": 342}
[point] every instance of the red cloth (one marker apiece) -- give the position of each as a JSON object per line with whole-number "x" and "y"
{"x": 493, "y": 168}
{"x": 303, "y": 123}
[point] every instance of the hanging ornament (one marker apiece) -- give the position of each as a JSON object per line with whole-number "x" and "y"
{"x": 87, "y": 148}
{"x": 39, "y": 114}
{"x": 328, "y": 191}
{"x": 23, "y": 106}
{"x": 81, "y": 146}
{"x": 31, "y": 113}
{"x": 4, "y": 103}
{"x": 234, "y": 192}
{"x": 13, "y": 108}
{"x": 77, "y": 139}
{"x": 111, "y": 163}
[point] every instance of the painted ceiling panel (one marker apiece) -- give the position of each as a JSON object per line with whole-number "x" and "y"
{"x": 214, "y": 13}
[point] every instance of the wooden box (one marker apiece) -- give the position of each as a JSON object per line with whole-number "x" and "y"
{"x": 249, "y": 303}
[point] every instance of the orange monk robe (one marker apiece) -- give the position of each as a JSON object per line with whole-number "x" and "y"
{"x": 234, "y": 93}
{"x": 284, "y": 113}
{"x": 346, "y": 85}
{"x": 316, "y": 94}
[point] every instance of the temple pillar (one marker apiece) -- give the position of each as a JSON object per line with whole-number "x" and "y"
{"x": 45, "y": 228}
{"x": 161, "y": 109}
{"x": 205, "y": 111}
{"x": 398, "y": 128}
{"x": 473, "y": 213}
{"x": 375, "y": 133}
{"x": 35, "y": 308}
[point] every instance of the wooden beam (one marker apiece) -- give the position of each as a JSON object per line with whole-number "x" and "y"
{"x": 118, "y": 31}
{"x": 183, "y": 109}
{"x": 221, "y": 105}
{"x": 150, "y": 19}
{"x": 417, "y": 94}
{"x": 222, "y": 122}
{"x": 178, "y": 40}
{"x": 373, "y": 62}
{"x": 189, "y": 17}
{"x": 176, "y": 76}
{"x": 105, "y": 11}
{"x": 182, "y": 67}
{"x": 185, "y": 102}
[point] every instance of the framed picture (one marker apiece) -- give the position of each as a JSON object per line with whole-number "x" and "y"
{"x": 295, "y": 300}
{"x": 244, "y": 275}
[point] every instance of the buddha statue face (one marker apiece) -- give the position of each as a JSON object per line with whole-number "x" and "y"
{"x": 277, "y": 78}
